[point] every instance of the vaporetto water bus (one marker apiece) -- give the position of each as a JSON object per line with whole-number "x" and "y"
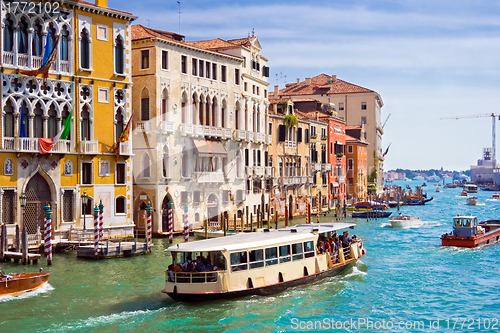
{"x": 258, "y": 263}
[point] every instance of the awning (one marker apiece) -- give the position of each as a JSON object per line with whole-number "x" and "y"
{"x": 207, "y": 148}
{"x": 335, "y": 184}
{"x": 339, "y": 143}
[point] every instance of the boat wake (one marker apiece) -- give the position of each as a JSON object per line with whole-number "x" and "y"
{"x": 27, "y": 294}
{"x": 115, "y": 318}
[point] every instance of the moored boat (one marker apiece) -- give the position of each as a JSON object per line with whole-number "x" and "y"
{"x": 467, "y": 232}
{"x": 405, "y": 221}
{"x": 373, "y": 214}
{"x": 14, "y": 283}
{"x": 368, "y": 205}
{"x": 472, "y": 201}
{"x": 212, "y": 233}
{"x": 259, "y": 263}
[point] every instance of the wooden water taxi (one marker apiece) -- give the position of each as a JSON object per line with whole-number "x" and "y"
{"x": 259, "y": 263}
{"x": 470, "y": 188}
{"x": 467, "y": 232}
{"x": 405, "y": 221}
{"x": 17, "y": 283}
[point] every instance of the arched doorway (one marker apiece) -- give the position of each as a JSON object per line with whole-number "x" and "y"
{"x": 213, "y": 208}
{"x": 164, "y": 213}
{"x": 38, "y": 194}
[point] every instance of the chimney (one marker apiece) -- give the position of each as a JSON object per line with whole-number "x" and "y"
{"x": 317, "y": 115}
{"x": 334, "y": 78}
{"x": 276, "y": 90}
{"x": 298, "y": 80}
{"x": 308, "y": 81}
{"x": 101, "y": 3}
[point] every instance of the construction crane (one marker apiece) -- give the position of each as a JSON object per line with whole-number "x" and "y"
{"x": 493, "y": 126}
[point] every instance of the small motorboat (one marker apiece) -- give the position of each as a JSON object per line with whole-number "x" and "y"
{"x": 495, "y": 196}
{"x": 212, "y": 233}
{"x": 438, "y": 189}
{"x": 405, "y": 221}
{"x": 14, "y": 283}
{"x": 371, "y": 214}
{"x": 463, "y": 194}
{"x": 472, "y": 201}
{"x": 467, "y": 232}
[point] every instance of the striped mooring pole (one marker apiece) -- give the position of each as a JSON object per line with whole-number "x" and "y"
{"x": 149, "y": 211}
{"x": 96, "y": 229}
{"x": 186, "y": 224}
{"x": 101, "y": 221}
{"x": 48, "y": 234}
{"x": 170, "y": 222}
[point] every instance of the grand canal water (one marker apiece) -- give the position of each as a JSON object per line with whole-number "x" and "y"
{"x": 406, "y": 277}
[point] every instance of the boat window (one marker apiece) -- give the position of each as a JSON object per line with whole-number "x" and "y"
{"x": 271, "y": 256}
{"x": 457, "y": 223}
{"x": 297, "y": 251}
{"x": 256, "y": 258}
{"x": 467, "y": 223}
{"x": 309, "y": 249}
{"x": 239, "y": 261}
{"x": 285, "y": 254}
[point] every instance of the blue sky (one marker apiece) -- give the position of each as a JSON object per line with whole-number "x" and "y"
{"x": 427, "y": 59}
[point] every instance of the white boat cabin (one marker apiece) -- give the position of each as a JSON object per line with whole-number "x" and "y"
{"x": 466, "y": 226}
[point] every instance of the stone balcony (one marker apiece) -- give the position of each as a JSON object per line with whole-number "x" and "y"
{"x": 89, "y": 147}
{"x": 208, "y": 177}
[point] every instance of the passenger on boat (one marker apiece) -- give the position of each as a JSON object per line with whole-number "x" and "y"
{"x": 187, "y": 263}
{"x": 345, "y": 239}
{"x": 200, "y": 267}
{"x": 321, "y": 248}
{"x": 326, "y": 245}
{"x": 208, "y": 266}
{"x": 171, "y": 268}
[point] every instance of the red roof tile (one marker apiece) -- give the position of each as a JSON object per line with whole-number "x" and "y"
{"x": 212, "y": 44}
{"x": 322, "y": 84}
{"x": 141, "y": 32}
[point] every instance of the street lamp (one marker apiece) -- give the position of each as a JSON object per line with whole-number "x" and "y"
{"x": 85, "y": 200}
{"x": 22, "y": 200}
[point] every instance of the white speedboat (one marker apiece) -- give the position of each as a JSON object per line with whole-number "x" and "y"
{"x": 472, "y": 201}
{"x": 212, "y": 233}
{"x": 405, "y": 221}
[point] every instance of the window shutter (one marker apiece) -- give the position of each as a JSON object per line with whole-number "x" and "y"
{"x": 299, "y": 135}
{"x": 281, "y": 133}
{"x": 307, "y": 140}
{"x": 246, "y": 157}
{"x": 266, "y": 158}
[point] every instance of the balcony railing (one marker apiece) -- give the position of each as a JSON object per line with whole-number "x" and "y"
{"x": 8, "y": 144}
{"x": 316, "y": 167}
{"x": 166, "y": 127}
{"x": 261, "y": 138}
{"x": 27, "y": 145}
{"x": 209, "y": 177}
{"x": 62, "y": 146}
{"x": 27, "y": 61}
{"x": 88, "y": 147}
{"x": 227, "y": 133}
{"x": 144, "y": 126}
{"x": 326, "y": 167}
{"x": 290, "y": 144}
{"x": 269, "y": 139}
{"x": 250, "y": 137}
{"x": 249, "y": 170}
{"x": 258, "y": 171}
{"x": 241, "y": 135}
{"x": 313, "y": 135}
{"x": 269, "y": 171}
{"x": 187, "y": 129}
{"x": 8, "y": 58}
{"x": 125, "y": 148}
{"x": 23, "y": 60}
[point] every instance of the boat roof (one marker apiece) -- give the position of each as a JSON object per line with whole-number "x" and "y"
{"x": 464, "y": 217}
{"x": 260, "y": 239}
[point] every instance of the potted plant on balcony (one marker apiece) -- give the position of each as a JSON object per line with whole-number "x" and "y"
{"x": 290, "y": 121}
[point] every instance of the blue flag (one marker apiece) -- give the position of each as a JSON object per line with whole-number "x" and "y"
{"x": 48, "y": 48}
{"x": 22, "y": 125}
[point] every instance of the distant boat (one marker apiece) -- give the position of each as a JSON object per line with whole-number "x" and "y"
{"x": 416, "y": 202}
{"x": 495, "y": 196}
{"x": 434, "y": 178}
{"x": 373, "y": 214}
{"x": 405, "y": 221}
{"x": 451, "y": 185}
{"x": 494, "y": 187}
{"x": 470, "y": 188}
{"x": 463, "y": 194}
{"x": 472, "y": 201}
{"x": 418, "y": 178}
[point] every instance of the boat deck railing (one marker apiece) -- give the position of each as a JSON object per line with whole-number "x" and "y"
{"x": 192, "y": 277}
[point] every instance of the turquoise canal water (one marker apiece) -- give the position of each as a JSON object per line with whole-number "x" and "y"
{"x": 406, "y": 277}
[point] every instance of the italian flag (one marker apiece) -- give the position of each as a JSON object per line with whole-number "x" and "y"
{"x": 45, "y": 145}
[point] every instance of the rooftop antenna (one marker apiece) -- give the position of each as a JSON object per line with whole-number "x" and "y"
{"x": 253, "y": 32}
{"x": 179, "y": 16}
{"x": 149, "y": 21}
{"x": 277, "y": 80}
